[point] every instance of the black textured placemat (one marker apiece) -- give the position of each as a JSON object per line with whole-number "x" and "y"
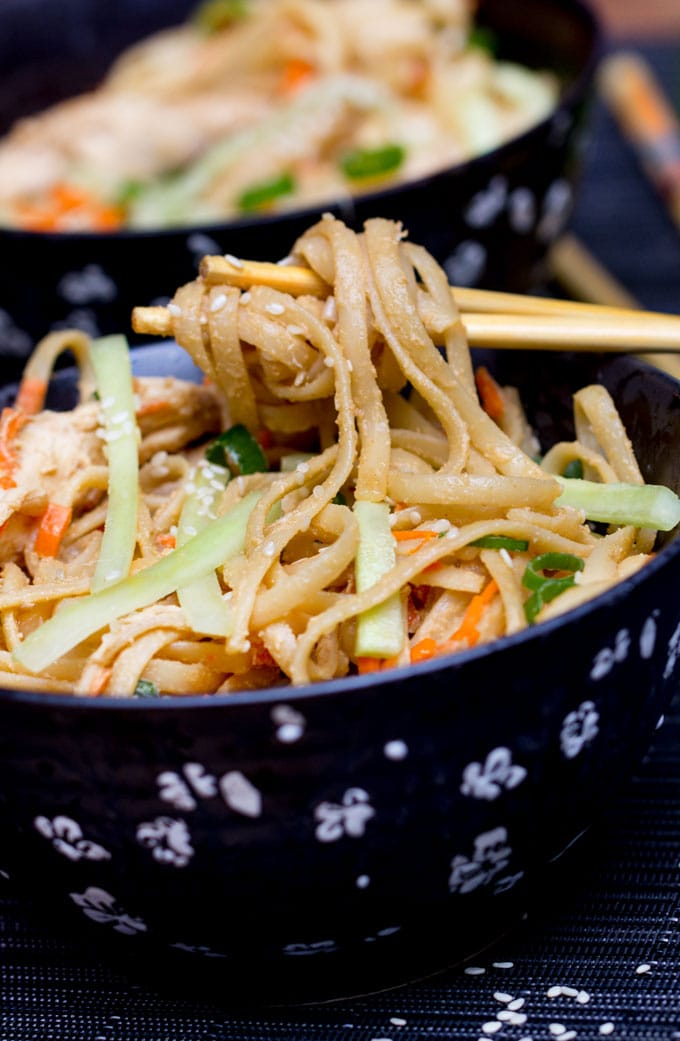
{"x": 598, "y": 955}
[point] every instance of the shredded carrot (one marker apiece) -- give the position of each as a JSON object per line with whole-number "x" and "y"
{"x": 31, "y": 396}
{"x": 406, "y": 536}
{"x": 366, "y": 665}
{"x": 100, "y": 677}
{"x": 296, "y": 73}
{"x": 424, "y": 650}
{"x": 490, "y": 393}
{"x": 67, "y": 206}
{"x": 152, "y": 406}
{"x": 260, "y": 658}
{"x": 11, "y": 422}
{"x": 165, "y": 540}
{"x": 467, "y": 629}
{"x": 51, "y": 530}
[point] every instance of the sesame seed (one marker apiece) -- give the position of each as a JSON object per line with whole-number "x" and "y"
{"x": 606, "y": 1028}
{"x": 363, "y": 882}
{"x": 295, "y": 330}
{"x": 557, "y": 1029}
{"x": 287, "y": 262}
{"x": 302, "y": 468}
{"x": 396, "y": 750}
{"x": 397, "y": 1021}
{"x": 569, "y": 1036}
{"x": 112, "y": 576}
{"x": 554, "y": 992}
{"x": 218, "y": 302}
{"x": 474, "y": 970}
{"x": 350, "y": 367}
{"x": 190, "y": 530}
{"x": 570, "y": 992}
{"x": 504, "y": 998}
{"x": 234, "y": 261}
{"x": 330, "y": 310}
{"x": 499, "y": 964}
{"x": 245, "y": 297}
{"x": 517, "y": 1004}
{"x": 329, "y": 363}
{"x": 274, "y": 308}
{"x": 174, "y": 309}
{"x": 317, "y": 491}
{"x": 269, "y": 549}
{"x": 492, "y": 1027}
{"x": 641, "y": 969}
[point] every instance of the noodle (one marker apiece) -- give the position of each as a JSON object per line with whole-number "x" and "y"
{"x": 329, "y": 462}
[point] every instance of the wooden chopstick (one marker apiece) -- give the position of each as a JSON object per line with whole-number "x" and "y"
{"x": 491, "y": 319}
{"x": 298, "y": 281}
{"x": 622, "y": 333}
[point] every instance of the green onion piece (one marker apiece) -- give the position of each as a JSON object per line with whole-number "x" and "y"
{"x": 371, "y": 162}
{"x": 546, "y": 587}
{"x": 380, "y": 630}
{"x": 79, "y": 619}
{"x": 642, "y": 505}
{"x": 146, "y": 689}
{"x": 501, "y": 542}
{"x": 111, "y": 363}
{"x": 574, "y": 469}
{"x": 547, "y": 592}
{"x": 237, "y": 450}
{"x": 483, "y": 39}
{"x": 533, "y": 576}
{"x": 266, "y": 192}
{"x": 201, "y": 599}
{"x": 339, "y": 499}
{"x": 217, "y": 14}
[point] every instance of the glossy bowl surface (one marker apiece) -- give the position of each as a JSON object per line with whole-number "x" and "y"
{"x": 489, "y": 221}
{"x": 299, "y": 844}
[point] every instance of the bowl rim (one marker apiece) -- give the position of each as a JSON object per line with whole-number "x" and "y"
{"x": 352, "y": 685}
{"x": 344, "y": 207}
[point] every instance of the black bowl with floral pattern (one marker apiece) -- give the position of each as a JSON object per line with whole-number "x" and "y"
{"x": 305, "y": 843}
{"x": 490, "y": 221}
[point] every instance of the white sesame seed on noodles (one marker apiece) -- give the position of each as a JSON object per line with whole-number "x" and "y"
{"x": 234, "y": 261}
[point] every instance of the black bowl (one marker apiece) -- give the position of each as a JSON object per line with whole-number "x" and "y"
{"x": 297, "y": 844}
{"x": 490, "y": 221}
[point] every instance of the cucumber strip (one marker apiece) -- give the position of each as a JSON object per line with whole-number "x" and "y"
{"x": 201, "y": 599}
{"x": 380, "y": 630}
{"x": 79, "y": 619}
{"x": 111, "y": 362}
{"x": 642, "y": 505}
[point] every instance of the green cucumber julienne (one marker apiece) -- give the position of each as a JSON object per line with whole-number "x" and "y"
{"x": 79, "y": 619}
{"x": 380, "y": 630}
{"x": 111, "y": 362}
{"x": 642, "y": 505}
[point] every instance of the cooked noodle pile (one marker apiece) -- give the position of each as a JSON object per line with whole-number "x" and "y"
{"x": 354, "y": 550}
{"x": 256, "y": 105}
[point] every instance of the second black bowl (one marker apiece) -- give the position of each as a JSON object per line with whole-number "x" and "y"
{"x": 490, "y": 221}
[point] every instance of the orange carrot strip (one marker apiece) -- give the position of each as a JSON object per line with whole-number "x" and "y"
{"x": 423, "y": 650}
{"x": 491, "y": 395}
{"x": 405, "y": 536}
{"x": 31, "y": 396}
{"x": 468, "y": 627}
{"x": 166, "y": 541}
{"x": 366, "y": 665}
{"x": 98, "y": 681}
{"x": 53, "y": 524}
{"x": 295, "y": 74}
{"x": 152, "y": 406}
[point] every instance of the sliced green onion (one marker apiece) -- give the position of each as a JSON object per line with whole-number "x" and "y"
{"x": 501, "y": 542}
{"x": 237, "y": 450}
{"x": 483, "y": 39}
{"x": 641, "y": 505}
{"x": 146, "y": 689}
{"x": 547, "y": 587}
{"x": 574, "y": 469}
{"x": 380, "y": 630}
{"x": 111, "y": 363}
{"x": 204, "y": 607}
{"x": 217, "y": 14}
{"x": 371, "y": 162}
{"x": 266, "y": 192}
{"x": 79, "y": 619}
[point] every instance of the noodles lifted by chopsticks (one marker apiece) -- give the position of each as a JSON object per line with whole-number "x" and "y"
{"x": 372, "y": 502}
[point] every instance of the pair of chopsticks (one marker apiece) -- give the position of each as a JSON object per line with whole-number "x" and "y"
{"x": 491, "y": 319}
